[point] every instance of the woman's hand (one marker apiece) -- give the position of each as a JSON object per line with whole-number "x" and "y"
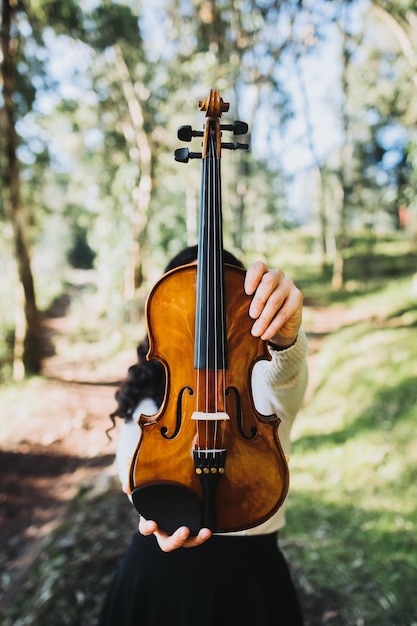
{"x": 276, "y": 304}
{"x": 179, "y": 539}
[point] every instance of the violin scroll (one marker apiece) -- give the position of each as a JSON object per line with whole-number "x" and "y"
{"x": 213, "y": 105}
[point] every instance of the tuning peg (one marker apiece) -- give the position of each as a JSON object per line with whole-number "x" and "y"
{"x": 183, "y": 155}
{"x": 186, "y": 133}
{"x": 238, "y": 128}
{"x": 234, "y": 145}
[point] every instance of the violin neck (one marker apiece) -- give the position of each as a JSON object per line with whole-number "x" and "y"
{"x": 210, "y": 337}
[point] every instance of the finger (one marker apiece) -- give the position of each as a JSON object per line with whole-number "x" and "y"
{"x": 203, "y": 535}
{"x": 281, "y": 314}
{"x": 253, "y": 276}
{"x": 147, "y": 527}
{"x": 181, "y": 539}
{"x": 168, "y": 543}
{"x": 280, "y": 320}
{"x": 271, "y": 292}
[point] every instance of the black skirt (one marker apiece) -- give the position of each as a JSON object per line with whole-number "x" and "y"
{"x": 227, "y": 581}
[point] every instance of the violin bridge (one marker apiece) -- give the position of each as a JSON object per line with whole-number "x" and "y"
{"x": 205, "y": 416}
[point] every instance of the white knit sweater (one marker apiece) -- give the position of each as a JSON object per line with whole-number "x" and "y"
{"x": 278, "y": 387}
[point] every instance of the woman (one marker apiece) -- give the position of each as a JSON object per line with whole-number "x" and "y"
{"x": 231, "y": 579}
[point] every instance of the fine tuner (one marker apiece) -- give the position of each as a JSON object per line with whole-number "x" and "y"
{"x": 186, "y": 133}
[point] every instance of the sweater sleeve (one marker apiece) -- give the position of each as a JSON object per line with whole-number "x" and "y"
{"x": 129, "y": 437}
{"x": 279, "y": 385}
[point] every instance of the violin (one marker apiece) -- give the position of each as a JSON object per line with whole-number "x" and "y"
{"x": 207, "y": 458}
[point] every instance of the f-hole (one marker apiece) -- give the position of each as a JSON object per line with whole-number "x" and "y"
{"x": 164, "y": 429}
{"x": 239, "y": 416}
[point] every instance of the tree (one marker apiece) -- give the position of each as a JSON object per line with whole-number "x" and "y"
{"x": 19, "y": 94}
{"x": 27, "y": 344}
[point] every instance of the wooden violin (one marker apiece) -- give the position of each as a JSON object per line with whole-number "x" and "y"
{"x": 207, "y": 458}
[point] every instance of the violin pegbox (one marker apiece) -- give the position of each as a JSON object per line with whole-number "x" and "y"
{"x": 214, "y": 106}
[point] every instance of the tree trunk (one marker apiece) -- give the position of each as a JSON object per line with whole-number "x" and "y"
{"x": 30, "y": 353}
{"x": 142, "y": 192}
{"x": 345, "y": 173}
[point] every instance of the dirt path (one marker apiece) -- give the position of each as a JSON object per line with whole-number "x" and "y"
{"x": 53, "y": 438}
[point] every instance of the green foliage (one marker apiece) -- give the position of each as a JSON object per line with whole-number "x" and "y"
{"x": 115, "y": 23}
{"x": 64, "y": 16}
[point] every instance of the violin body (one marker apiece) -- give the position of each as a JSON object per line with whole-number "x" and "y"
{"x": 207, "y": 458}
{"x": 256, "y": 478}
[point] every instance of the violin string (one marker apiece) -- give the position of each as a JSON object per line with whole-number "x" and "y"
{"x": 220, "y": 304}
{"x": 211, "y": 286}
{"x": 217, "y": 260}
{"x": 199, "y": 311}
{"x": 221, "y": 292}
{"x": 208, "y": 278}
{"x": 202, "y": 403}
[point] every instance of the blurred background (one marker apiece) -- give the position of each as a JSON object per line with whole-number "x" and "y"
{"x": 92, "y": 207}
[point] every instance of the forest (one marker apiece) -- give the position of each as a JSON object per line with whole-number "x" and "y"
{"x": 93, "y": 204}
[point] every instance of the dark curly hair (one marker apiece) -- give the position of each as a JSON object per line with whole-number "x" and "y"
{"x": 146, "y": 379}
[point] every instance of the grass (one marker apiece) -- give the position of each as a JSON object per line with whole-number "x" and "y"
{"x": 66, "y": 584}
